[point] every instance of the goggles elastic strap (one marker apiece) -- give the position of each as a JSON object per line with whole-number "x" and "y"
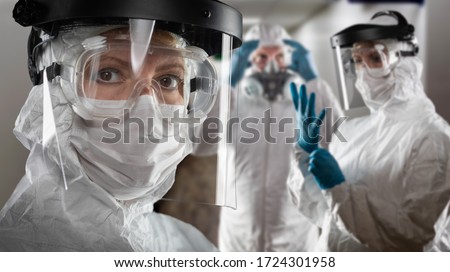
{"x": 53, "y": 71}
{"x": 406, "y": 54}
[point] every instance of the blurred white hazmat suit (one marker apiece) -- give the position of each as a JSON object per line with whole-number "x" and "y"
{"x": 396, "y": 166}
{"x": 265, "y": 219}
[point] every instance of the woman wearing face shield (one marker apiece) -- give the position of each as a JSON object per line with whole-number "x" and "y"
{"x": 101, "y": 121}
{"x": 263, "y": 67}
{"x": 384, "y": 188}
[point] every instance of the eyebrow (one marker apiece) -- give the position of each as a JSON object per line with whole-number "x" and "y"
{"x": 115, "y": 59}
{"x": 163, "y": 67}
{"x": 170, "y": 66}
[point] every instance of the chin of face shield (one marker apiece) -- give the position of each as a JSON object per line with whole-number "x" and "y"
{"x": 114, "y": 69}
{"x": 374, "y": 58}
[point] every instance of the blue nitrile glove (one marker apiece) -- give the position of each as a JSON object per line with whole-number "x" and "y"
{"x": 302, "y": 62}
{"x": 308, "y": 123}
{"x": 239, "y": 60}
{"x": 325, "y": 169}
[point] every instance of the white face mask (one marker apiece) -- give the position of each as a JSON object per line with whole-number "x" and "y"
{"x": 131, "y": 166}
{"x": 375, "y": 90}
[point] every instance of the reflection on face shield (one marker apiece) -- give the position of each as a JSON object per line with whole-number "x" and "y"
{"x": 373, "y": 66}
{"x": 114, "y": 67}
{"x": 373, "y": 57}
{"x": 109, "y": 76}
{"x": 365, "y": 67}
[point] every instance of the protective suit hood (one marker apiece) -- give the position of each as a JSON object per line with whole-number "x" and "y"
{"x": 41, "y": 215}
{"x": 406, "y": 88}
{"x": 268, "y": 35}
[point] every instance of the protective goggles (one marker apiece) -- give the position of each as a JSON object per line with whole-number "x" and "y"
{"x": 118, "y": 66}
{"x": 270, "y": 59}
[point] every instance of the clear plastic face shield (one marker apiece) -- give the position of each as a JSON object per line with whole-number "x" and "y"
{"x": 365, "y": 60}
{"x": 136, "y": 91}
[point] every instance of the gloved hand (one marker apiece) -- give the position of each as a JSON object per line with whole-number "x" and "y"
{"x": 239, "y": 60}
{"x": 325, "y": 169}
{"x": 308, "y": 123}
{"x": 301, "y": 61}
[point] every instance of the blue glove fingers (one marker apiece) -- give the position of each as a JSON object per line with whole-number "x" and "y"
{"x": 317, "y": 123}
{"x": 319, "y": 120}
{"x": 303, "y": 99}
{"x": 291, "y": 43}
{"x": 238, "y": 67}
{"x": 294, "y": 94}
{"x": 239, "y": 60}
{"x": 302, "y": 61}
{"x": 307, "y": 68}
{"x": 247, "y": 48}
{"x": 312, "y": 105}
{"x": 297, "y": 46}
{"x": 312, "y": 167}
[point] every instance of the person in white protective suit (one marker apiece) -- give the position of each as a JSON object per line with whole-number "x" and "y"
{"x": 441, "y": 241}
{"x": 263, "y": 67}
{"x": 110, "y": 82}
{"x": 384, "y": 187}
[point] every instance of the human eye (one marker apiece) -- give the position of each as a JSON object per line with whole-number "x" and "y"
{"x": 279, "y": 56}
{"x": 357, "y": 60}
{"x": 169, "y": 82}
{"x": 375, "y": 58}
{"x": 263, "y": 57}
{"x": 108, "y": 76}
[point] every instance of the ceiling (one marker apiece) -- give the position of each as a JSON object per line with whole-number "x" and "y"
{"x": 288, "y": 13}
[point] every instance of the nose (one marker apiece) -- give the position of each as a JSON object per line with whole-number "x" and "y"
{"x": 150, "y": 88}
{"x": 147, "y": 90}
{"x": 145, "y": 87}
{"x": 144, "y": 80}
{"x": 272, "y": 67}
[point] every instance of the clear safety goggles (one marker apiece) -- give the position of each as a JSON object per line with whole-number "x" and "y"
{"x": 270, "y": 59}
{"x": 110, "y": 73}
{"x": 117, "y": 69}
{"x": 371, "y": 58}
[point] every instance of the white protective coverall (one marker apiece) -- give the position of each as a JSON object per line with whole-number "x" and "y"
{"x": 41, "y": 215}
{"x": 441, "y": 241}
{"x": 265, "y": 219}
{"x": 397, "y": 169}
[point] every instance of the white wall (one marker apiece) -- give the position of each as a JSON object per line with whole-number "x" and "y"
{"x": 14, "y": 88}
{"x": 315, "y": 34}
{"x": 438, "y": 55}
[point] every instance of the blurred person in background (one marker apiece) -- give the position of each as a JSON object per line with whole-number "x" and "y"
{"x": 383, "y": 188}
{"x": 262, "y": 69}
